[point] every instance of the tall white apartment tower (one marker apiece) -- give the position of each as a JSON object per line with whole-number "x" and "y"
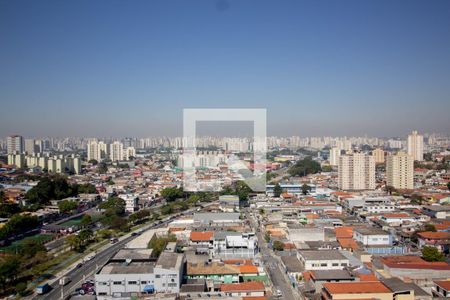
{"x": 335, "y": 153}
{"x": 415, "y": 146}
{"x": 116, "y": 151}
{"x": 400, "y": 171}
{"x": 356, "y": 171}
{"x": 15, "y": 143}
{"x": 97, "y": 150}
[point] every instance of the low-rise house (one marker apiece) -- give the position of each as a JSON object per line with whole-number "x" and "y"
{"x": 441, "y": 289}
{"x": 322, "y": 259}
{"x": 244, "y": 289}
{"x": 357, "y": 290}
{"x": 414, "y": 268}
{"x": 437, "y": 211}
{"x": 438, "y": 239}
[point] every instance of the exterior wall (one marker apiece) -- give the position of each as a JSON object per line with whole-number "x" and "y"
{"x": 372, "y": 239}
{"x": 110, "y": 284}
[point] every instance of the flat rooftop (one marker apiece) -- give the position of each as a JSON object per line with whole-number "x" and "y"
{"x": 128, "y": 268}
{"x": 321, "y": 254}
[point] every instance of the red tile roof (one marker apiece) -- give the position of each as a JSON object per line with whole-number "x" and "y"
{"x": 398, "y": 215}
{"x": 243, "y": 286}
{"x": 360, "y": 287}
{"x": 438, "y": 235}
{"x": 344, "y": 232}
{"x": 445, "y": 284}
{"x": 198, "y": 236}
{"x": 413, "y": 262}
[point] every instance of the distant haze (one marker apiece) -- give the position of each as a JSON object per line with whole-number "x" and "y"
{"x": 128, "y": 68}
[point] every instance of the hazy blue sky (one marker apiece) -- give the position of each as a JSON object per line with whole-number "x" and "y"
{"x": 115, "y": 68}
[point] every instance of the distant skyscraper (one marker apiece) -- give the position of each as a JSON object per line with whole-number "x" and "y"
{"x": 415, "y": 146}
{"x": 15, "y": 144}
{"x": 30, "y": 146}
{"x": 356, "y": 171}
{"x": 400, "y": 171}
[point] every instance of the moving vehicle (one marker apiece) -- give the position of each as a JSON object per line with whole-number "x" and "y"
{"x": 114, "y": 240}
{"x": 43, "y": 289}
{"x": 64, "y": 280}
{"x": 278, "y": 293}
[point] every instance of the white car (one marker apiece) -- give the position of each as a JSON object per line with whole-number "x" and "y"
{"x": 278, "y": 293}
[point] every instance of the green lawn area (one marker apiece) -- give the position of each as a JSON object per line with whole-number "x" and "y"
{"x": 41, "y": 238}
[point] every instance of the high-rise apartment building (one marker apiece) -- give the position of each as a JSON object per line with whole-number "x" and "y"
{"x": 116, "y": 151}
{"x": 97, "y": 150}
{"x": 415, "y": 146}
{"x": 335, "y": 153}
{"x": 400, "y": 171}
{"x": 356, "y": 171}
{"x": 378, "y": 154}
{"x": 14, "y": 144}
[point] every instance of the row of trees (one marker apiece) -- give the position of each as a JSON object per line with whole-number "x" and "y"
{"x": 18, "y": 224}
{"x": 56, "y": 188}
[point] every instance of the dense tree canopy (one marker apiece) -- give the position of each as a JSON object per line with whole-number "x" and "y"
{"x": 430, "y": 253}
{"x": 305, "y": 167}
{"x": 172, "y": 193}
{"x": 18, "y": 224}
{"x": 277, "y": 190}
{"x": 67, "y": 206}
{"x": 51, "y": 188}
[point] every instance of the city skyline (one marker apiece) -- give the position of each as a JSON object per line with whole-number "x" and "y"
{"x": 354, "y": 68}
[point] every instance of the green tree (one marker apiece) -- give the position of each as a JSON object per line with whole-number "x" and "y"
{"x": 102, "y": 168}
{"x": 166, "y": 209}
{"x": 277, "y": 190}
{"x": 18, "y": 224}
{"x": 278, "y": 246}
{"x": 86, "y": 220}
{"x": 159, "y": 243}
{"x": 267, "y": 237}
{"x": 305, "y": 189}
{"x": 430, "y": 227}
{"x": 21, "y": 288}
{"x": 304, "y": 167}
{"x": 67, "y": 206}
{"x": 73, "y": 241}
{"x": 113, "y": 206}
{"x": 85, "y": 236}
{"x": 448, "y": 185}
{"x": 93, "y": 162}
{"x": 171, "y": 193}
{"x": 87, "y": 188}
{"x": 430, "y": 253}
{"x": 9, "y": 269}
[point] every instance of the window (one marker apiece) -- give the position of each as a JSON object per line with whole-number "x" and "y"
{"x": 117, "y": 282}
{"x": 102, "y": 294}
{"x": 157, "y": 276}
{"x": 132, "y": 282}
{"x": 143, "y": 282}
{"x": 343, "y": 264}
{"x": 171, "y": 284}
{"x": 335, "y": 264}
{"x": 323, "y": 265}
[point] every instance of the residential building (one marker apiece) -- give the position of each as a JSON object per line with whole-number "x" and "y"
{"x": 15, "y": 144}
{"x": 322, "y": 259}
{"x": 400, "y": 171}
{"x": 97, "y": 150}
{"x": 441, "y": 289}
{"x": 356, "y": 171}
{"x": 415, "y": 146}
{"x": 378, "y": 154}
{"x": 358, "y": 290}
{"x": 116, "y": 151}
{"x": 335, "y": 153}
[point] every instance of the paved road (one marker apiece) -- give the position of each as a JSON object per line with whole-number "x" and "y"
{"x": 273, "y": 266}
{"x": 78, "y": 275}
